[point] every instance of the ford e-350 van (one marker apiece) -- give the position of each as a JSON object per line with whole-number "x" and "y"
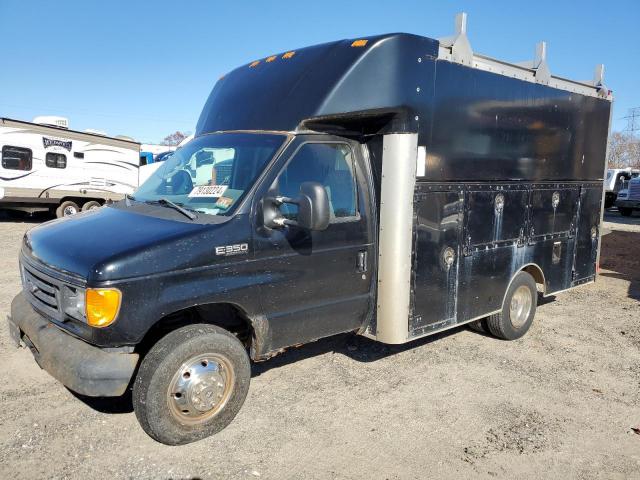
{"x": 393, "y": 186}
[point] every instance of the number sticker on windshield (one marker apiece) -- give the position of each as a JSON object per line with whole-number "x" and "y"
{"x": 208, "y": 191}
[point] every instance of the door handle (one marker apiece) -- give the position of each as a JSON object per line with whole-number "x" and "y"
{"x": 362, "y": 261}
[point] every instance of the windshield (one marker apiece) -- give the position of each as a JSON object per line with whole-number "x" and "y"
{"x": 211, "y": 174}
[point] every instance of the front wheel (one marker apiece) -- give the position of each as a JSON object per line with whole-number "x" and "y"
{"x": 191, "y": 384}
{"x": 518, "y": 309}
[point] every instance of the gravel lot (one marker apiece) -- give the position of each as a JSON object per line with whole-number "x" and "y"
{"x": 562, "y": 402}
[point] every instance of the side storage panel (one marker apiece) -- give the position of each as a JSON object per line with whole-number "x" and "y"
{"x": 553, "y": 218}
{"x": 587, "y": 235}
{"x": 495, "y": 245}
{"x": 435, "y": 260}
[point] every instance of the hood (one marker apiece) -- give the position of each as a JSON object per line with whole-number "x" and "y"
{"x": 114, "y": 243}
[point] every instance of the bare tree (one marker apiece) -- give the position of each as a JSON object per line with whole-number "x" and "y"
{"x": 624, "y": 150}
{"x": 174, "y": 139}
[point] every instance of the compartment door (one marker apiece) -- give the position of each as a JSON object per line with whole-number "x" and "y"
{"x": 435, "y": 263}
{"x": 587, "y": 236}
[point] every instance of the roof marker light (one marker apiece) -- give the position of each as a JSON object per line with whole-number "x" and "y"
{"x": 254, "y": 64}
{"x": 288, "y": 55}
{"x": 271, "y": 59}
{"x": 359, "y": 43}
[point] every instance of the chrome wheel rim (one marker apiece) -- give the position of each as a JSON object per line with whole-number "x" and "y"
{"x": 200, "y": 388}
{"x": 69, "y": 210}
{"x": 520, "y": 307}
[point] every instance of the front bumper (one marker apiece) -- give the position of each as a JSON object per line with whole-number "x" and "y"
{"x": 81, "y": 367}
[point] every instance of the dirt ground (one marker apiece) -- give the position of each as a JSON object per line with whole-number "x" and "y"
{"x": 561, "y": 402}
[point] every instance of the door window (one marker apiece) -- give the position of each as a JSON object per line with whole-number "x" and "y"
{"x": 16, "y": 158}
{"x": 331, "y": 165}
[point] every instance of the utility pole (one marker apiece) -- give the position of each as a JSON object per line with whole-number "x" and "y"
{"x": 633, "y": 121}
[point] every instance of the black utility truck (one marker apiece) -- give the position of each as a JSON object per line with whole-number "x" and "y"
{"x": 394, "y": 186}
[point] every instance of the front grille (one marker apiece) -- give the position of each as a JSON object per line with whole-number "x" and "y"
{"x": 634, "y": 191}
{"x": 42, "y": 291}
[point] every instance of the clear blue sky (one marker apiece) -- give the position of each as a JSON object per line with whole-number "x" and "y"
{"x": 144, "y": 69}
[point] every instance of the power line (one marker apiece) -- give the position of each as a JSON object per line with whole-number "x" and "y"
{"x": 633, "y": 120}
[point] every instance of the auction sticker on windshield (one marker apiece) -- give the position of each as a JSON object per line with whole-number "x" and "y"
{"x": 208, "y": 191}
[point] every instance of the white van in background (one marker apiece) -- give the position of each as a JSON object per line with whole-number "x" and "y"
{"x": 615, "y": 181}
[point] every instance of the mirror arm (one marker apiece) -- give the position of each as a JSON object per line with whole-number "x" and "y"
{"x": 279, "y": 200}
{"x": 278, "y": 221}
{"x": 283, "y": 222}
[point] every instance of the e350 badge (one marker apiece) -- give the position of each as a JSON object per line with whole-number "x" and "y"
{"x": 228, "y": 250}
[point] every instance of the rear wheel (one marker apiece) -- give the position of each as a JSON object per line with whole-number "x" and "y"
{"x": 518, "y": 309}
{"x": 625, "y": 212}
{"x": 479, "y": 326}
{"x": 90, "y": 205}
{"x": 191, "y": 384}
{"x": 67, "y": 208}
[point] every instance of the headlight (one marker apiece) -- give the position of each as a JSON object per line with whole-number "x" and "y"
{"x": 102, "y": 306}
{"x": 623, "y": 194}
{"x": 73, "y": 302}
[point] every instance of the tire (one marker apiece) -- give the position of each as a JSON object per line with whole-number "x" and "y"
{"x": 90, "y": 205}
{"x": 479, "y": 326}
{"x": 512, "y": 323}
{"x": 177, "y": 398}
{"x": 608, "y": 202}
{"x": 625, "y": 212}
{"x": 67, "y": 208}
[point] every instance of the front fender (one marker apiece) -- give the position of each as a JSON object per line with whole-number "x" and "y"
{"x": 146, "y": 300}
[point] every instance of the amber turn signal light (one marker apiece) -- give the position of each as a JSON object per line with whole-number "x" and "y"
{"x": 102, "y": 306}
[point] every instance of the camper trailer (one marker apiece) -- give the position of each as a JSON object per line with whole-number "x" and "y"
{"x": 47, "y": 166}
{"x": 393, "y": 186}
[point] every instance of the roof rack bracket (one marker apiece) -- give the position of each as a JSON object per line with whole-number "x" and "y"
{"x": 458, "y": 43}
{"x": 539, "y": 65}
{"x": 598, "y": 81}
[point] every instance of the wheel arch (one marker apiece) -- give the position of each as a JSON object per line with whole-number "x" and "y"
{"x": 535, "y": 271}
{"x": 251, "y": 331}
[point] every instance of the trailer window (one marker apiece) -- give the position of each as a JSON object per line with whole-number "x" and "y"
{"x": 56, "y": 160}
{"x": 16, "y": 158}
{"x": 331, "y": 165}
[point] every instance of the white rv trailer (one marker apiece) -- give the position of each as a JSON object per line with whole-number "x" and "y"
{"x": 48, "y": 166}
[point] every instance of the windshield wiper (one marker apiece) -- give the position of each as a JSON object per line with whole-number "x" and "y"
{"x": 175, "y": 206}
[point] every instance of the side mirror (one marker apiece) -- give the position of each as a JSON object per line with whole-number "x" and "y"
{"x": 313, "y": 208}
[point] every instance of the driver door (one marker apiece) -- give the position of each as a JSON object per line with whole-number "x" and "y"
{"x": 317, "y": 283}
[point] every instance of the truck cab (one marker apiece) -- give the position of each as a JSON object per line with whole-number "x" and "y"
{"x": 615, "y": 181}
{"x": 628, "y": 198}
